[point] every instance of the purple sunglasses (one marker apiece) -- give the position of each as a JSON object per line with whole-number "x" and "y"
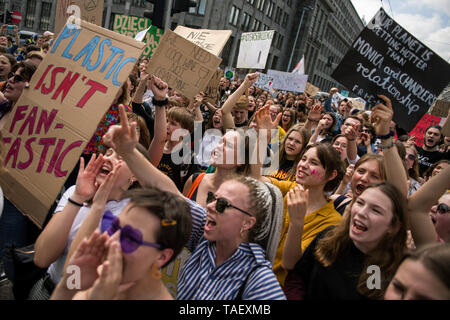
{"x": 130, "y": 238}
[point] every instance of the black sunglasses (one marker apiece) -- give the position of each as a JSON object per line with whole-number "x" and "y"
{"x": 442, "y": 208}
{"x": 222, "y": 204}
{"x": 16, "y": 77}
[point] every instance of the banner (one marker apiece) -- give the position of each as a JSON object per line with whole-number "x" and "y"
{"x": 57, "y": 115}
{"x": 288, "y": 81}
{"x": 254, "y": 49}
{"x": 132, "y": 26}
{"x": 386, "y": 59}
{"x": 419, "y": 130}
{"x": 210, "y": 40}
{"x": 183, "y": 65}
{"x": 311, "y": 89}
{"x": 264, "y": 82}
{"x": 87, "y": 10}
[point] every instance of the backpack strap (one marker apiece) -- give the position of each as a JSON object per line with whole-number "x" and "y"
{"x": 196, "y": 178}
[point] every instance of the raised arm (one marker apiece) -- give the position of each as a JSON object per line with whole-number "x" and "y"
{"x": 351, "y": 133}
{"x": 395, "y": 171}
{"x": 53, "y": 239}
{"x": 124, "y": 139}
{"x": 156, "y": 148}
{"x": 313, "y": 117}
{"x": 420, "y": 203}
{"x": 316, "y": 133}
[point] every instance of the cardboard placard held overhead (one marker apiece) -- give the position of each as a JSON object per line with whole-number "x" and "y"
{"x": 311, "y": 89}
{"x": 185, "y": 66}
{"x": 446, "y": 127}
{"x": 386, "y": 59}
{"x": 288, "y": 81}
{"x": 131, "y": 26}
{"x": 89, "y": 10}
{"x": 210, "y": 40}
{"x": 212, "y": 89}
{"x": 440, "y": 108}
{"x": 254, "y": 49}
{"x": 50, "y": 125}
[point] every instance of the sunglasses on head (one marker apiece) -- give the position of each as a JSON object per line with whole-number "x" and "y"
{"x": 222, "y": 204}
{"x": 411, "y": 157}
{"x": 16, "y": 77}
{"x": 130, "y": 238}
{"x": 442, "y": 208}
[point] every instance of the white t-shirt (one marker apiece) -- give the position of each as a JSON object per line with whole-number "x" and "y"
{"x": 55, "y": 269}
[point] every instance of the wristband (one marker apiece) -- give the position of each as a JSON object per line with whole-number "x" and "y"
{"x": 351, "y": 139}
{"x": 160, "y": 103}
{"x": 75, "y": 203}
{"x": 390, "y": 134}
{"x": 390, "y": 145}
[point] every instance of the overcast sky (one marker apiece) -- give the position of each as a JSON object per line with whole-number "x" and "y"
{"x": 427, "y": 20}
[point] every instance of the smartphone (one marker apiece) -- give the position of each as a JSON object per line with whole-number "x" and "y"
{"x": 10, "y": 27}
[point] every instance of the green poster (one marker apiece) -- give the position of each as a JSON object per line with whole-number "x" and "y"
{"x": 130, "y": 26}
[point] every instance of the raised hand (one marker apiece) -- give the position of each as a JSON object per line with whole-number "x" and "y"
{"x": 87, "y": 258}
{"x": 264, "y": 120}
{"x": 250, "y": 79}
{"x": 351, "y": 132}
{"x": 159, "y": 88}
{"x": 122, "y": 138}
{"x": 315, "y": 113}
{"x": 348, "y": 174}
{"x": 297, "y": 202}
{"x": 85, "y": 186}
{"x": 381, "y": 116}
{"x": 103, "y": 192}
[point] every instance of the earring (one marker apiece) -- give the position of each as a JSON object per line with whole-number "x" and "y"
{"x": 156, "y": 273}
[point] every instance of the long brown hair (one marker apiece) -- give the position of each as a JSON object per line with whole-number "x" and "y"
{"x": 388, "y": 253}
{"x": 305, "y": 139}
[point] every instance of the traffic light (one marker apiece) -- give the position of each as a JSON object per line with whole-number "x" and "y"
{"x": 157, "y": 16}
{"x": 182, "y": 6}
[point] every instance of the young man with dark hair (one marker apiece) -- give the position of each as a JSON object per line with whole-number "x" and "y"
{"x": 429, "y": 152}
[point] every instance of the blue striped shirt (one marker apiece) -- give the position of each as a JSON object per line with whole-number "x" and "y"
{"x": 201, "y": 279}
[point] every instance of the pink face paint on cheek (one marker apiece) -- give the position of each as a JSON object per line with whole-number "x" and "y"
{"x": 313, "y": 172}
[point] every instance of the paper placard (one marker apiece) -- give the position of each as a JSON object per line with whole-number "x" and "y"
{"x": 89, "y": 10}
{"x": 183, "y": 65}
{"x": 288, "y": 81}
{"x": 311, "y": 89}
{"x": 132, "y": 26}
{"x": 210, "y": 40}
{"x": 386, "y": 59}
{"x": 254, "y": 49}
{"x": 264, "y": 82}
{"x": 57, "y": 115}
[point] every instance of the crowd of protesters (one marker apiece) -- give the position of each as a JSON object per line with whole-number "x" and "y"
{"x": 351, "y": 193}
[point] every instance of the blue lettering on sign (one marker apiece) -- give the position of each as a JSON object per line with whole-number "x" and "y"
{"x": 116, "y": 54}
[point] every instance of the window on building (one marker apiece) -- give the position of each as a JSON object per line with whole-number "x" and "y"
{"x": 256, "y": 25}
{"x": 289, "y": 3}
{"x": 138, "y": 3}
{"x": 278, "y": 15}
{"x": 261, "y": 4}
{"x": 280, "y": 41}
{"x": 285, "y": 20}
{"x": 269, "y": 10}
{"x": 227, "y": 51}
{"x": 274, "y": 62}
{"x": 199, "y": 9}
{"x": 234, "y": 16}
{"x": 266, "y": 27}
{"x": 29, "y": 15}
{"x": 246, "y": 21}
{"x": 45, "y": 16}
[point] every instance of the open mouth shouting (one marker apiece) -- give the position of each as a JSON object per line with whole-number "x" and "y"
{"x": 358, "y": 227}
{"x": 210, "y": 224}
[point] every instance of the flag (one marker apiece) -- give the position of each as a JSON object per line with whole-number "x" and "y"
{"x": 300, "y": 67}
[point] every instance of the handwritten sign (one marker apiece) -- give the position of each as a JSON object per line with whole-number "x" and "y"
{"x": 446, "y": 127}
{"x": 387, "y": 59}
{"x": 210, "y": 40}
{"x": 264, "y": 82}
{"x": 311, "y": 90}
{"x": 57, "y": 115}
{"x": 212, "y": 89}
{"x": 288, "y": 81}
{"x": 440, "y": 108}
{"x": 185, "y": 66}
{"x": 254, "y": 49}
{"x": 131, "y": 26}
{"x": 419, "y": 130}
{"x": 87, "y": 10}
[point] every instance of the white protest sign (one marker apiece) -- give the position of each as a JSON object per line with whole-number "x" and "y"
{"x": 288, "y": 81}
{"x": 210, "y": 40}
{"x": 264, "y": 82}
{"x": 254, "y": 49}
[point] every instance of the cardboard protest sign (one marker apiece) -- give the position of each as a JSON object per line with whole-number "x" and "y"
{"x": 419, "y": 130}
{"x": 440, "y": 108}
{"x": 210, "y": 40}
{"x": 185, "y": 66}
{"x": 288, "y": 81}
{"x": 311, "y": 89}
{"x": 131, "y": 26}
{"x": 386, "y": 59}
{"x": 446, "y": 127}
{"x": 212, "y": 89}
{"x": 50, "y": 125}
{"x": 254, "y": 49}
{"x": 264, "y": 82}
{"x": 87, "y": 10}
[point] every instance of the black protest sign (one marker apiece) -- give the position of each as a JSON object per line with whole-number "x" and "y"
{"x": 386, "y": 59}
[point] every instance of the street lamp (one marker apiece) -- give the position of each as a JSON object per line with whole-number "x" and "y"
{"x": 296, "y": 37}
